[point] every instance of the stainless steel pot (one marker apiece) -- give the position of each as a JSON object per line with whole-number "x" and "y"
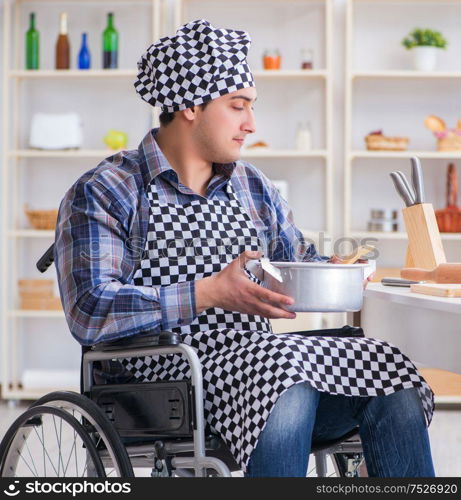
{"x": 315, "y": 286}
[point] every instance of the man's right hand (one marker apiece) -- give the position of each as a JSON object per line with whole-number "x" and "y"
{"x": 231, "y": 290}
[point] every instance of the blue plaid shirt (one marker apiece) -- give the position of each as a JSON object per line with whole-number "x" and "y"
{"x": 102, "y": 230}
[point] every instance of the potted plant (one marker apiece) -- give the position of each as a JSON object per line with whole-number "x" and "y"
{"x": 425, "y": 44}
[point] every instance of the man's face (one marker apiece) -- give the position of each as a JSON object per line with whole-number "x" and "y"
{"x": 220, "y": 129}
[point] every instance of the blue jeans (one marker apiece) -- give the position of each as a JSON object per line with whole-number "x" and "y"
{"x": 392, "y": 429}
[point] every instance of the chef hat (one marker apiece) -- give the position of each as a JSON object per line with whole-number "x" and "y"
{"x": 198, "y": 64}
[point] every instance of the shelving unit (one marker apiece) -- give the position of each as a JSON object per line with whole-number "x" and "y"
{"x": 356, "y": 77}
{"x": 220, "y": 14}
{"x": 21, "y": 246}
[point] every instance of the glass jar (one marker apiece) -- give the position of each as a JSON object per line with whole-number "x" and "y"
{"x": 307, "y": 58}
{"x": 272, "y": 59}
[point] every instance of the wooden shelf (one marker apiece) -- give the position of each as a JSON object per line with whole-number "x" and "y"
{"x": 406, "y": 154}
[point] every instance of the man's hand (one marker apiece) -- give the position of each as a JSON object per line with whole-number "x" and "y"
{"x": 336, "y": 260}
{"x": 230, "y": 289}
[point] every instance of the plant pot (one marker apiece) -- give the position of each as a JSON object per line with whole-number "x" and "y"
{"x": 425, "y": 58}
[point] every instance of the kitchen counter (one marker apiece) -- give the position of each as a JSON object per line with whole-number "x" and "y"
{"x": 426, "y": 328}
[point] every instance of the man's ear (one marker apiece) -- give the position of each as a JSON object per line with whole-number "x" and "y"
{"x": 190, "y": 113}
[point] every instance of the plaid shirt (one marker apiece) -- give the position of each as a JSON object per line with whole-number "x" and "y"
{"x": 102, "y": 230}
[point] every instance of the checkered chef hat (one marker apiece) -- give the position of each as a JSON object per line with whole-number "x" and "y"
{"x": 197, "y": 65}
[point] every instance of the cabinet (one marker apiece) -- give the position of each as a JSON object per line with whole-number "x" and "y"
{"x": 104, "y": 99}
{"x": 383, "y": 92}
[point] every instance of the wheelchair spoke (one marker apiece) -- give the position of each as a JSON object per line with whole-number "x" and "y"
{"x": 59, "y": 440}
{"x": 30, "y": 455}
{"x": 70, "y": 454}
{"x": 45, "y": 451}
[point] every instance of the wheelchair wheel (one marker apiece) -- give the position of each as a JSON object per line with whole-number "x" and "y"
{"x": 48, "y": 442}
{"x": 111, "y": 450}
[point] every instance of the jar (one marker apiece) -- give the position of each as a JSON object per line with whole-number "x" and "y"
{"x": 307, "y": 58}
{"x": 303, "y": 137}
{"x": 272, "y": 59}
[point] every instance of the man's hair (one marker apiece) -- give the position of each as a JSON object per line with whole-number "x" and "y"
{"x": 166, "y": 118}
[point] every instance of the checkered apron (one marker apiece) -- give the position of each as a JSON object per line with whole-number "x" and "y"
{"x": 245, "y": 366}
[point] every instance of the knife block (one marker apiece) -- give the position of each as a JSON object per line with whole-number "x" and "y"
{"x": 425, "y": 249}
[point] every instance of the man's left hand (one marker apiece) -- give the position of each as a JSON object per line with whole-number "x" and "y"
{"x": 336, "y": 260}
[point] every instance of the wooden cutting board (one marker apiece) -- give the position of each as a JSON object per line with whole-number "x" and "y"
{"x": 439, "y": 289}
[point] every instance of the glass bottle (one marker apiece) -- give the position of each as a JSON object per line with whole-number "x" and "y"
{"x": 110, "y": 44}
{"x": 63, "y": 45}
{"x": 307, "y": 59}
{"x": 303, "y": 137}
{"x": 32, "y": 44}
{"x": 84, "y": 58}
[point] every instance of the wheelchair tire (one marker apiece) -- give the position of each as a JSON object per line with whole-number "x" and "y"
{"x": 48, "y": 442}
{"x": 105, "y": 437}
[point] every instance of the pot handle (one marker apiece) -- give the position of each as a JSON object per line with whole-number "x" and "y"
{"x": 254, "y": 267}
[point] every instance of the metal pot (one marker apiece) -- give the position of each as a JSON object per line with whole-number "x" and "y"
{"x": 315, "y": 286}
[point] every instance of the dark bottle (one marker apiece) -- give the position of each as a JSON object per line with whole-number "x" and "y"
{"x": 32, "y": 45}
{"x": 84, "y": 58}
{"x": 63, "y": 45}
{"x": 110, "y": 44}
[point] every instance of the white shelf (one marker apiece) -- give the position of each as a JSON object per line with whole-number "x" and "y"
{"x": 20, "y": 313}
{"x": 398, "y": 235}
{"x": 103, "y": 153}
{"x": 31, "y": 233}
{"x": 131, "y": 73}
{"x": 33, "y": 393}
{"x": 380, "y": 235}
{"x": 293, "y": 73}
{"x": 75, "y": 153}
{"x": 73, "y": 73}
{"x": 282, "y": 153}
{"x": 405, "y": 74}
{"x": 406, "y": 154}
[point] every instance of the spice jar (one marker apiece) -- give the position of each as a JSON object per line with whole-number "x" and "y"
{"x": 272, "y": 59}
{"x": 307, "y": 59}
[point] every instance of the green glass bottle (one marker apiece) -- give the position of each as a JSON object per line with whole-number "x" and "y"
{"x": 32, "y": 44}
{"x": 110, "y": 44}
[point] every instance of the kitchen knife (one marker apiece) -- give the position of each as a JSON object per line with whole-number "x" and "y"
{"x": 402, "y": 189}
{"x": 417, "y": 179}
{"x": 407, "y": 185}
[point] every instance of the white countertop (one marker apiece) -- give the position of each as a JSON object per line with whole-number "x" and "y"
{"x": 405, "y": 296}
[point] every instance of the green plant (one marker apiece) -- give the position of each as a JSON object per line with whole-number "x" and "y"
{"x": 424, "y": 38}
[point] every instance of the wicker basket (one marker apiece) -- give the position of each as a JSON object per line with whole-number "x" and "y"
{"x": 379, "y": 142}
{"x": 452, "y": 142}
{"x": 42, "y": 219}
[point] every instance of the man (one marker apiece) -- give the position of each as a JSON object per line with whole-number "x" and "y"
{"x": 157, "y": 239}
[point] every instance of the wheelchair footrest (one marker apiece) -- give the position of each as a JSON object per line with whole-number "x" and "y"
{"x": 150, "y": 409}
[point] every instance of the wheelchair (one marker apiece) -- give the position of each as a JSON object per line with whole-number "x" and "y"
{"x": 115, "y": 426}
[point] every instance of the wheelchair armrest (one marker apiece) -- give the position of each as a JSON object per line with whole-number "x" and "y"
{"x": 158, "y": 339}
{"x": 345, "y": 331}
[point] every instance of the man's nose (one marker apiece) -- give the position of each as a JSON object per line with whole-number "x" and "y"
{"x": 250, "y": 124}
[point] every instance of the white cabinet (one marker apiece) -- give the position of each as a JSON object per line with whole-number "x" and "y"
{"x": 382, "y": 91}
{"x": 39, "y": 339}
